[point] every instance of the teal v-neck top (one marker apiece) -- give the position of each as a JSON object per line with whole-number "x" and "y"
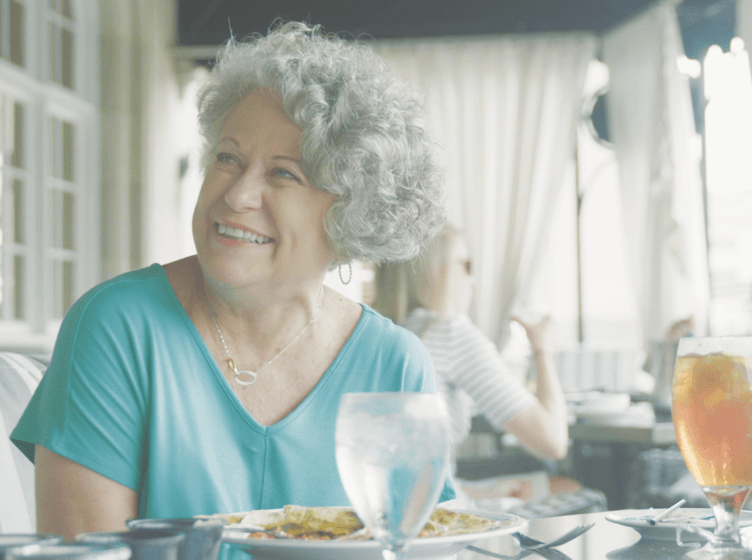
{"x": 133, "y": 393}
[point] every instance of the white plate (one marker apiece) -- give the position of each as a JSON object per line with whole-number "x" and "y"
{"x": 665, "y": 530}
{"x": 637, "y": 414}
{"x": 428, "y": 547}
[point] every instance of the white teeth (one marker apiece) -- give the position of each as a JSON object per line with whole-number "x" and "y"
{"x": 237, "y": 233}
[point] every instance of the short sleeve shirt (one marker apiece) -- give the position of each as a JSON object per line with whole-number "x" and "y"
{"x": 469, "y": 372}
{"x": 133, "y": 393}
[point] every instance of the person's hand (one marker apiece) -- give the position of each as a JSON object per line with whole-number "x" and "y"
{"x": 537, "y": 333}
{"x": 683, "y": 327}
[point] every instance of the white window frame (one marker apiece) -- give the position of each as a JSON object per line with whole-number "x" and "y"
{"x": 45, "y": 99}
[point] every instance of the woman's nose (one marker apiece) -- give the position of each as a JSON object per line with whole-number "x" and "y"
{"x": 247, "y": 193}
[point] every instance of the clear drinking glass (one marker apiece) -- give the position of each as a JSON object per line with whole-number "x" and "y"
{"x": 392, "y": 457}
{"x": 712, "y": 414}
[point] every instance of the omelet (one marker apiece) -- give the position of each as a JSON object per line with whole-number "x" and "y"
{"x": 445, "y": 522}
{"x": 331, "y": 523}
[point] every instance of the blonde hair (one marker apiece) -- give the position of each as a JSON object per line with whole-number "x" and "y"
{"x": 402, "y": 287}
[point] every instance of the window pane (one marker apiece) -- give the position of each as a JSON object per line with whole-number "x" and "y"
{"x": 19, "y": 282}
{"x": 68, "y": 150}
{"x": 67, "y": 285}
{"x": 17, "y": 33}
{"x": 63, "y": 149}
{"x": 67, "y": 58}
{"x": 17, "y": 156}
{"x": 57, "y": 219}
{"x": 68, "y": 209}
{"x": 68, "y": 9}
{"x": 63, "y": 272}
{"x": 55, "y": 141}
{"x": 54, "y": 39}
{"x": 17, "y": 205}
{"x": 63, "y": 226}
{"x": 62, "y": 51}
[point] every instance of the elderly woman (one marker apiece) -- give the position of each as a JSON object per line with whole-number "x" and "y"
{"x": 212, "y": 384}
{"x": 431, "y": 296}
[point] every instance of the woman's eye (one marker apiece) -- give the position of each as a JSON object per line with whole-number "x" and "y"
{"x": 224, "y": 157}
{"x": 280, "y": 172}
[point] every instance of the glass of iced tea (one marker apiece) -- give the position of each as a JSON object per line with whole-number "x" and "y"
{"x": 712, "y": 414}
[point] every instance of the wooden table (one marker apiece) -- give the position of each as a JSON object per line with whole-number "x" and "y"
{"x": 606, "y": 540}
{"x": 655, "y": 434}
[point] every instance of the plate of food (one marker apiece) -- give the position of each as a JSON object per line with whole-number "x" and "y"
{"x": 665, "y": 529}
{"x": 331, "y": 533}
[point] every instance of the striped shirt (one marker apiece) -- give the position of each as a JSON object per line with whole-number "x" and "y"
{"x": 469, "y": 372}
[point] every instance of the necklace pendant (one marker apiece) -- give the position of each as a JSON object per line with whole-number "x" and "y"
{"x": 252, "y": 375}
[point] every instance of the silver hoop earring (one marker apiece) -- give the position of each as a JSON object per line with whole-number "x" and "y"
{"x": 349, "y": 278}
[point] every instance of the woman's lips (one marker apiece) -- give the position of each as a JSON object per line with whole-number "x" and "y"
{"x": 228, "y": 232}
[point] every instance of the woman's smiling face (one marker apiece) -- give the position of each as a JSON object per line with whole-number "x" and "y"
{"x": 258, "y": 217}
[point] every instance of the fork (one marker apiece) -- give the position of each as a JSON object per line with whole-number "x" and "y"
{"x": 246, "y": 530}
{"x": 549, "y": 553}
{"x": 532, "y": 544}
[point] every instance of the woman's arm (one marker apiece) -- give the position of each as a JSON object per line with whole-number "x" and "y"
{"x": 543, "y": 427}
{"x": 73, "y": 499}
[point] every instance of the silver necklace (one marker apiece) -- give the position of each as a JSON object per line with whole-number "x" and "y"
{"x": 252, "y": 375}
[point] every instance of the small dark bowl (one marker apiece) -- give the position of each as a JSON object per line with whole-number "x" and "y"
{"x": 203, "y": 537}
{"x": 13, "y": 540}
{"x": 69, "y": 551}
{"x": 145, "y": 544}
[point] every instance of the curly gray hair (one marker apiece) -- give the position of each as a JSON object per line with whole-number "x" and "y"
{"x": 363, "y": 137}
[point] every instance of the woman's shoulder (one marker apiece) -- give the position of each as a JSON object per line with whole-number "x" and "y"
{"x": 379, "y": 323}
{"x": 382, "y": 331}
{"x": 134, "y": 280}
{"x": 117, "y": 314}
{"x": 127, "y": 295}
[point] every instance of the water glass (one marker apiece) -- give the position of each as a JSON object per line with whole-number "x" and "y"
{"x": 14, "y": 540}
{"x": 69, "y": 551}
{"x": 392, "y": 456}
{"x": 145, "y": 544}
{"x": 203, "y": 537}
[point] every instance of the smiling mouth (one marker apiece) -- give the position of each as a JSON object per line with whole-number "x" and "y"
{"x": 241, "y": 235}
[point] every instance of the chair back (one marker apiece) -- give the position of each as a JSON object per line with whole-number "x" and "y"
{"x": 19, "y": 377}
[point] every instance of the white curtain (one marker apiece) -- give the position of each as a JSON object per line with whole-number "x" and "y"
{"x": 744, "y": 23}
{"x": 653, "y": 131}
{"x": 504, "y": 110}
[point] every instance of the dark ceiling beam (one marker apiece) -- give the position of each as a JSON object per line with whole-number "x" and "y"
{"x": 209, "y": 23}
{"x": 199, "y": 22}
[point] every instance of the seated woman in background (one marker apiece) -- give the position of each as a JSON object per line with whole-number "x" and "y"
{"x": 431, "y": 295}
{"x": 211, "y": 384}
